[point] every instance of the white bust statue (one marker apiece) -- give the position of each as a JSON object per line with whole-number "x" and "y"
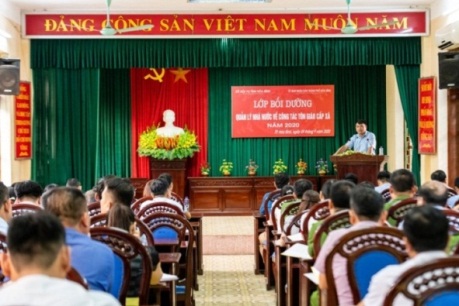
{"x": 169, "y": 129}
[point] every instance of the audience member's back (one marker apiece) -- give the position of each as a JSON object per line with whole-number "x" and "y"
{"x": 92, "y": 259}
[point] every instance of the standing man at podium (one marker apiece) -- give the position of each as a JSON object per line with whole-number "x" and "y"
{"x": 364, "y": 141}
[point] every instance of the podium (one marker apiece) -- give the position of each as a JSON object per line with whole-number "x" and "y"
{"x": 365, "y": 166}
{"x": 175, "y": 167}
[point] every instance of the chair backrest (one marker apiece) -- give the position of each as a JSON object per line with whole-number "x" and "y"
{"x": 331, "y": 223}
{"x": 24, "y": 208}
{"x": 157, "y": 207}
{"x": 136, "y": 205}
{"x": 453, "y": 219}
{"x": 318, "y": 212}
{"x": 126, "y": 247}
{"x": 76, "y": 277}
{"x": 431, "y": 284}
{"x": 277, "y": 204}
{"x": 292, "y": 209}
{"x": 271, "y": 198}
{"x": 400, "y": 209}
{"x": 101, "y": 220}
{"x": 177, "y": 199}
{"x": 386, "y": 195}
{"x": 3, "y": 246}
{"x": 451, "y": 192}
{"x": 94, "y": 209}
{"x": 367, "y": 251}
{"x": 185, "y": 236}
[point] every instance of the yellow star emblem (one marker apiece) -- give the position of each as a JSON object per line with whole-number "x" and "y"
{"x": 180, "y": 74}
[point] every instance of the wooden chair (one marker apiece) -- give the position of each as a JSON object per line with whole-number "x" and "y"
{"x": 451, "y": 192}
{"x": 386, "y": 195}
{"x": 74, "y": 276}
{"x": 331, "y": 223}
{"x": 102, "y": 219}
{"x": 126, "y": 247}
{"x": 271, "y": 198}
{"x": 94, "y": 209}
{"x": 398, "y": 211}
{"x": 177, "y": 199}
{"x": 453, "y": 219}
{"x": 292, "y": 209}
{"x": 24, "y": 208}
{"x": 136, "y": 205}
{"x": 182, "y": 228}
{"x": 277, "y": 205}
{"x": 318, "y": 212}
{"x": 366, "y": 251}
{"x": 159, "y": 207}
{"x": 431, "y": 284}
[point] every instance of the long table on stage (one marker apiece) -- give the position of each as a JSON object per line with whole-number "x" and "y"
{"x": 235, "y": 195}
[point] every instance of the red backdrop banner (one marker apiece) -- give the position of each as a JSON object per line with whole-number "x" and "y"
{"x": 395, "y": 23}
{"x": 283, "y": 111}
{"x": 153, "y": 90}
{"x": 23, "y": 123}
{"x": 427, "y": 136}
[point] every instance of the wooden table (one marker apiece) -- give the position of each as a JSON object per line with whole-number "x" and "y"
{"x": 172, "y": 258}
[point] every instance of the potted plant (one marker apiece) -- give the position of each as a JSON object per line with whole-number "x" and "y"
{"x": 205, "y": 169}
{"x": 301, "y": 167}
{"x": 322, "y": 166}
{"x": 251, "y": 167}
{"x": 226, "y": 167}
{"x": 279, "y": 167}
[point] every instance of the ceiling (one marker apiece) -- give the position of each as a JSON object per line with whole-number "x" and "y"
{"x": 182, "y": 6}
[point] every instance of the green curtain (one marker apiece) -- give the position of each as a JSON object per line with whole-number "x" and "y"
{"x": 65, "y": 120}
{"x": 234, "y": 52}
{"x": 360, "y": 92}
{"x": 407, "y": 81}
{"x": 81, "y": 125}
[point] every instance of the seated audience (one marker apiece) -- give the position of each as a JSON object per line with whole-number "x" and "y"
{"x": 402, "y": 187}
{"x": 37, "y": 262}
{"x": 100, "y": 186}
{"x": 440, "y": 175}
{"x": 426, "y": 232}
{"x": 366, "y": 211}
{"x": 147, "y": 189}
{"x": 168, "y": 178}
{"x": 351, "y": 177}
{"x": 117, "y": 190}
{"x": 160, "y": 189}
{"x": 452, "y": 200}
{"x": 122, "y": 217}
{"x": 90, "y": 196}
{"x": 6, "y": 211}
{"x": 340, "y": 194}
{"x": 74, "y": 183}
{"x": 309, "y": 199}
{"x": 280, "y": 180}
{"x": 28, "y": 192}
{"x": 299, "y": 188}
{"x": 433, "y": 193}
{"x": 383, "y": 180}
{"x": 92, "y": 259}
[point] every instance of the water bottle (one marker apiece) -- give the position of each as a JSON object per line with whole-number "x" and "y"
{"x": 381, "y": 151}
{"x": 186, "y": 204}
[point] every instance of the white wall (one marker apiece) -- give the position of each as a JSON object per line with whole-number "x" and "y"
{"x": 12, "y": 170}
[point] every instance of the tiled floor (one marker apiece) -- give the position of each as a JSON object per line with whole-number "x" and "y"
{"x": 228, "y": 225}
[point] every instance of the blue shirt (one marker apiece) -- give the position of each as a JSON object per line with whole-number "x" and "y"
{"x": 452, "y": 201}
{"x": 270, "y": 203}
{"x": 362, "y": 143}
{"x": 92, "y": 259}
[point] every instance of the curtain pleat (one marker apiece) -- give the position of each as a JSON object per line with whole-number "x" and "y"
{"x": 199, "y": 53}
{"x": 407, "y": 81}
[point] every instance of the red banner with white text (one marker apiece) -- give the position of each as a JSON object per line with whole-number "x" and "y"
{"x": 67, "y": 25}
{"x": 427, "y": 136}
{"x": 23, "y": 122}
{"x": 283, "y": 111}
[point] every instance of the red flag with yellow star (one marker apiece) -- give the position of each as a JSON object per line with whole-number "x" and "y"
{"x": 183, "y": 90}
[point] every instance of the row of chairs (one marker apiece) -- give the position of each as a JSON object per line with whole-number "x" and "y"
{"x": 286, "y": 270}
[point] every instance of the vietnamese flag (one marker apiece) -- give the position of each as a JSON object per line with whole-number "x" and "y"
{"x": 183, "y": 90}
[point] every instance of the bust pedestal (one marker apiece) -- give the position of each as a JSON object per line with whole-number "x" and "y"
{"x": 175, "y": 167}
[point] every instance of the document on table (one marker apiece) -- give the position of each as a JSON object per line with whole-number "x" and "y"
{"x": 313, "y": 276}
{"x": 168, "y": 277}
{"x": 296, "y": 237}
{"x": 298, "y": 250}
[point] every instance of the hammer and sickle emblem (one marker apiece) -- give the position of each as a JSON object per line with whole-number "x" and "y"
{"x": 157, "y": 76}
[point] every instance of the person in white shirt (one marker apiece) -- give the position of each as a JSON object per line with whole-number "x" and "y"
{"x": 6, "y": 210}
{"x": 426, "y": 237}
{"x": 37, "y": 262}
